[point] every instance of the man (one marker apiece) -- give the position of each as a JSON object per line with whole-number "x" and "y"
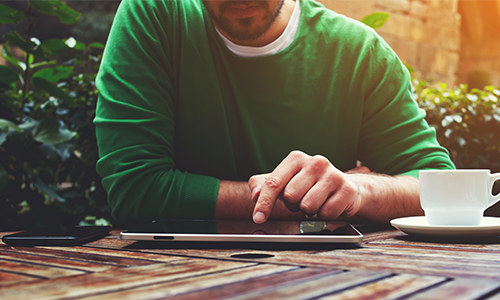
{"x": 203, "y": 102}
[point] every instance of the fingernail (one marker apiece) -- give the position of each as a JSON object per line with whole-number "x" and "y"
{"x": 259, "y": 217}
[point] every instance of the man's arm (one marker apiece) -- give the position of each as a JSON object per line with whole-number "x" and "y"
{"x": 310, "y": 184}
{"x": 384, "y": 198}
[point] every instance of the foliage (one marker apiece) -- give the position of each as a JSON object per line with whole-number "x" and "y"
{"x": 467, "y": 122}
{"x": 47, "y": 142}
{"x": 376, "y": 20}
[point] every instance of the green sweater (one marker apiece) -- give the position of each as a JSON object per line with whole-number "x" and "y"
{"x": 178, "y": 111}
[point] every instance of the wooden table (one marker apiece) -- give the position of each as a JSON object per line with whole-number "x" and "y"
{"x": 387, "y": 265}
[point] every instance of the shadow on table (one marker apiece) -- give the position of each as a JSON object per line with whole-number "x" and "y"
{"x": 241, "y": 245}
{"x": 450, "y": 240}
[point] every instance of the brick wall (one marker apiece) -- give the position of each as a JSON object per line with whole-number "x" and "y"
{"x": 424, "y": 33}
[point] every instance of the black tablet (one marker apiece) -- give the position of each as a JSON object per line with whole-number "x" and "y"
{"x": 57, "y": 236}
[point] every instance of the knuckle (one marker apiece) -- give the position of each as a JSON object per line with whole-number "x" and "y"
{"x": 255, "y": 180}
{"x": 320, "y": 159}
{"x": 319, "y": 163}
{"x": 274, "y": 181}
{"x": 297, "y": 155}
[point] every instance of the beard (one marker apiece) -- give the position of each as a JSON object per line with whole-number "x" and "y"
{"x": 244, "y": 29}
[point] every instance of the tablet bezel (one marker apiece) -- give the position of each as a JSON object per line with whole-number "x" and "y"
{"x": 357, "y": 237}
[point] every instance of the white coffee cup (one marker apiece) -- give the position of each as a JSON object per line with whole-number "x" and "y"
{"x": 456, "y": 197}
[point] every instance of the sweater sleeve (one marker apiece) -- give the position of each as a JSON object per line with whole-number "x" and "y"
{"x": 135, "y": 121}
{"x": 395, "y": 139}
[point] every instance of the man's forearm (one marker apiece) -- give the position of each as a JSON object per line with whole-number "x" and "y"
{"x": 383, "y": 199}
{"x": 387, "y": 197}
{"x": 234, "y": 201}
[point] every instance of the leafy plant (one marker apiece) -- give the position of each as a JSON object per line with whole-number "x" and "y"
{"x": 467, "y": 122}
{"x": 47, "y": 142}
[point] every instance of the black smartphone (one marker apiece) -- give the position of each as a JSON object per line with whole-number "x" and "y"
{"x": 57, "y": 236}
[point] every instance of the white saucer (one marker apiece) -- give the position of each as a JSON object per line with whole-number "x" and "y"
{"x": 489, "y": 227}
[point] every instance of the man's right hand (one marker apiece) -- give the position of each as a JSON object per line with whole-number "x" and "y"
{"x": 310, "y": 184}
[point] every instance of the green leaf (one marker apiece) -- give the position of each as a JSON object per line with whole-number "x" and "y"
{"x": 7, "y": 55}
{"x": 79, "y": 46}
{"x": 17, "y": 40}
{"x": 5, "y": 125}
{"x": 31, "y": 59}
{"x": 6, "y": 129}
{"x": 9, "y": 15}
{"x": 52, "y": 131}
{"x": 7, "y": 75}
{"x": 96, "y": 45}
{"x": 42, "y": 63}
{"x": 376, "y": 20}
{"x": 55, "y": 47}
{"x": 54, "y": 74}
{"x": 4, "y": 177}
{"x": 409, "y": 68}
{"x": 56, "y": 8}
{"x": 49, "y": 87}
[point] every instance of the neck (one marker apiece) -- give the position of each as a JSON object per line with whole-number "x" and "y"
{"x": 273, "y": 32}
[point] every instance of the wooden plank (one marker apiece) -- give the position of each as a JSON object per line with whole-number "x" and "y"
{"x": 249, "y": 284}
{"x": 407, "y": 242}
{"x": 452, "y": 256}
{"x": 129, "y": 254}
{"x": 318, "y": 287}
{"x": 414, "y": 261}
{"x": 110, "y": 243}
{"x": 116, "y": 280}
{"x": 53, "y": 261}
{"x": 38, "y": 270}
{"x": 459, "y": 289}
{"x": 102, "y": 256}
{"x": 181, "y": 287}
{"x": 390, "y": 288}
{"x": 13, "y": 278}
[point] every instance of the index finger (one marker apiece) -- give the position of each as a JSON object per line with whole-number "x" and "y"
{"x": 274, "y": 185}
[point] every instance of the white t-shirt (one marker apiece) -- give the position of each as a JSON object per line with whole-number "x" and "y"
{"x": 283, "y": 41}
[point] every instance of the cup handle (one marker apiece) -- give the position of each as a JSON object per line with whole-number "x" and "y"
{"x": 493, "y": 179}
